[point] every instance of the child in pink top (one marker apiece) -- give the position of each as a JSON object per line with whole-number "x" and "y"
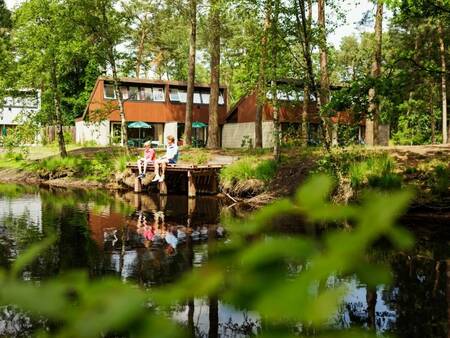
{"x": 149, "y": 157}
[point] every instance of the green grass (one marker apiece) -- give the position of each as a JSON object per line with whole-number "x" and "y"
{"x": 194, "y": 155}
{"x": 375, "y": 171}
{"x": 249, "y": 168}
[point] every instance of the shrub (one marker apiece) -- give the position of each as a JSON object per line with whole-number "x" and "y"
{"x": 440, "y": 180}
{"x": 248, "y": 168}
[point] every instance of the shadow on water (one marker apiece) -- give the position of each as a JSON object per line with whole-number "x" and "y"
{"x": 151, "y": 240}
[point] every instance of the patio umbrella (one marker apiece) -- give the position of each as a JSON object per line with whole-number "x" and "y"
{"x": 197, "y": 124}
{"x": 140, "y": 125}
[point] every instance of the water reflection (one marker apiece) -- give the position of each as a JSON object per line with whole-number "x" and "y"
{"x": 152, "y": 240}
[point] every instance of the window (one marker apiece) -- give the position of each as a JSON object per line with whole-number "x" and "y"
{"x": 221, "y": 99}
{"x": 148, "y": 94}
{"x": 182, "y": 94}
{"x": 197, "y": 98}
{"x": 205, "y": 97}
{"x": 124, "y": 91}
{"x": 134, "y": 93}
{"x": 158, "y": 94}
{"x": 109, "y": 92}
{"x": 174, "y": 95}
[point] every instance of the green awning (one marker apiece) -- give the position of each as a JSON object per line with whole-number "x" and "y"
{"x": 197, "y": 124}
{"x": 139, "y": 124}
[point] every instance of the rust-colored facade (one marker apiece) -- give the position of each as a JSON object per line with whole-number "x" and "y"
{"x": 148, "y": 110}
{"x": 244, "y": 111}
{"x": 160, "y": 103}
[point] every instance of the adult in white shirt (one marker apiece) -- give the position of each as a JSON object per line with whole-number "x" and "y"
{"x": 171, "y": 157}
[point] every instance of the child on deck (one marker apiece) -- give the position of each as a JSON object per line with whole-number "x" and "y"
{"x": 149, "y": 157}
{"x": 170, "y": 157}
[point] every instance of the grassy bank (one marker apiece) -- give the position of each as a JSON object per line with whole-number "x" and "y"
{"x": 253, "y": 172}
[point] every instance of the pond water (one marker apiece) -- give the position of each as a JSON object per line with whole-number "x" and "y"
{"x": 123, "y": 236}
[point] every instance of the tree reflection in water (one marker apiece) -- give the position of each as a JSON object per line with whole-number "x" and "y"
{"x": 105, "y": 235}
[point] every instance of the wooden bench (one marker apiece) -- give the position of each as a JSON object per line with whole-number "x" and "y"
{"x": 201, "y": 178}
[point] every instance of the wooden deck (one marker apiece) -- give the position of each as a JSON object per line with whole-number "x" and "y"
{"x": 195, "y": 179}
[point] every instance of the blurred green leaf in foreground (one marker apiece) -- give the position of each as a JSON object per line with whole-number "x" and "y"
{"x": 252, "y": 270}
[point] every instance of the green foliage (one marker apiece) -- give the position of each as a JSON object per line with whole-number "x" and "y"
{"x": 440, "y": 179}
{"x": 414, "y": 125}
{"x": 363, "y": 169}
{"x": 98, "y": 168}
{"x": 20, "y": 137}
{"x": 248, "y": 168}
{"x": 249, "y": 271}
{"x": 194, "y": 156}
{"x": 375, "y": 171}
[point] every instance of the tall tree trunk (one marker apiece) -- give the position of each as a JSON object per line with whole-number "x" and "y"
{"x": 120, "y": 101}
{"x": 306, "y": 92}
{"x": 262, "y": 85}
{"x": 371, "y": 298}
{"x": 140, "y": 52}
{"x": 432, "y": 117}
{"x": 324, "y": 78}
{"x": 372, "y": 122}
{"x": 58, "y": 112}
{"x": 213, "y": 128}
{"x": 274, "y": 87}
{"x": 191, "y": 73}
{"x": 443, "y": 83}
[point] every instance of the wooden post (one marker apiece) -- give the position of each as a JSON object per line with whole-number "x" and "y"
{"x": 163, "y": 188}
{"x": 213, "y": 183}
{"x": 192, "y": 192}
{"x": 137, "y": 184}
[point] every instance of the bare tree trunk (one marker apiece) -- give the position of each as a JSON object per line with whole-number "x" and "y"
{"x": 443, "y": 83}
{"x": 119, "y": 97}
{"x": 304, "y": 127}
{"x": 324, "y": 78}
{"x": 306, "y": 92}
{"x": 58, "y": 112}
{"x": 275, "y": 102}
{"x": 432, "y": 117}
{"x": 191, "y": 73}
{"x": 262, "y": 85}
{"x": 372, "y": 122}
{"x": 140, "y": 52}
{"x": 371, "y": 298}
{"x": 213, "y": 128}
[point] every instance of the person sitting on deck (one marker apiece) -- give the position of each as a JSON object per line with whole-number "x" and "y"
{"x": 149, "y": 157}
{"x": 170, "y": 157}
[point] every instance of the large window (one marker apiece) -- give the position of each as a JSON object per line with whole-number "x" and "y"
{"x": 205, "y": 97}
{"x": 178, "y": 95}
{"x": 134, "y": 93}
{"x": 148, "y": 94}
{"x": 197, "y": 98}
{"x": 124, "y": 91}
{"x": 109, "y": 92}
{"x": 174, "y": 95}
{"x": 158, "y": 94}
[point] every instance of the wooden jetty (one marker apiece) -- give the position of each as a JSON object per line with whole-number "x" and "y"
{"x": 194, "y": 179}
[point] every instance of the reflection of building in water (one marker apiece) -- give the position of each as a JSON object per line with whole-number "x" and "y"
{"x": 27, "y": 206}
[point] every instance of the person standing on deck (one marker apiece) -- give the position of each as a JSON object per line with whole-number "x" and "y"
{"x": 170, "y": 157}
{"x": 149, "y": 157}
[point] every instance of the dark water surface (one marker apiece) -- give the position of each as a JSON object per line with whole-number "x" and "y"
{"x": 119, "y": 236}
